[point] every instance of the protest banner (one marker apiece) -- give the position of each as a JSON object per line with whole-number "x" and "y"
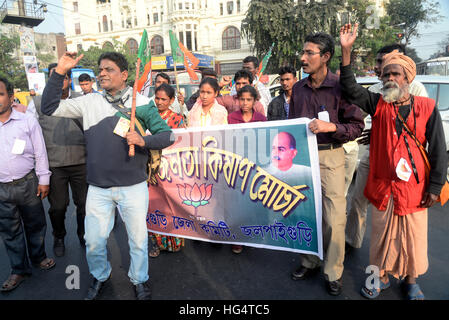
{"x": 255, "y": 184}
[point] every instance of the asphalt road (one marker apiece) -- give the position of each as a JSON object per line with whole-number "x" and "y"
{"x": 203, "y": 271}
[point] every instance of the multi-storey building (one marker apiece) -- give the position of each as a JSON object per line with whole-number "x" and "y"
{"x": 208, "y": 27}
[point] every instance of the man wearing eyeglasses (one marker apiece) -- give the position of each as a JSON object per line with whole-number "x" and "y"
{"x": 335, "y": 122}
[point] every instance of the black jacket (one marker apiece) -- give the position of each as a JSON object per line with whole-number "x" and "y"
{"x": 276, "y": 110}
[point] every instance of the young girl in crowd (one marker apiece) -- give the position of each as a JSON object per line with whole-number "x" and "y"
{"x": 247, "y": 98}
{"x": 207, "y": 111}
{"x": 164, "y": 97}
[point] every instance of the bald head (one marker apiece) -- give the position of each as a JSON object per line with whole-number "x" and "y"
{"x": 283, "y": 151}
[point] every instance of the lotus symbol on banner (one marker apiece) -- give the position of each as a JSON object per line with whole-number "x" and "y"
{"x": 195, "y": 196}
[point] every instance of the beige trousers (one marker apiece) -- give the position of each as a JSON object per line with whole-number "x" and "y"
{"x": 356, "y": 224}
{"x": 332, "y": 171}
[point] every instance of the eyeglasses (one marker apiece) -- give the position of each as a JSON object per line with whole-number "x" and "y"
{"x": 308, "y": 52}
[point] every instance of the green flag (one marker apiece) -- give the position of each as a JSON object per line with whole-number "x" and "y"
{"x": 144, "y": 54}
{"x": 264, "y": 62}
{"x": 176, "y": 52}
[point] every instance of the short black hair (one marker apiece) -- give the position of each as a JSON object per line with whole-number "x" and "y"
{"x": 252, "y": 59}
{"x": 391, "y": 47}
{"x": 118, "y": 58}
{"x": 208, "y": 73}
{"x": 168, "y": 89}
{"x": 251, "y": 90}
{"x": 243, "y": 74}
{"x": 287, "y": 69}
{"x": 212, "y": 82}
{"x": 324, "y": 41}
{"x": 163, "y": 75}
{"x": 8, "y": 85}
{"x": 84, "y": 77}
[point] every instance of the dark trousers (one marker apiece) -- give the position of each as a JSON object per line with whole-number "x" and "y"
{"x": 22, "y": 223}
{"x": 59, "y": 199}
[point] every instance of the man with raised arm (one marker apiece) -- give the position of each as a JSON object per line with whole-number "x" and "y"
{"x": 114, "y": 178}
{"x": 397, "y": 185}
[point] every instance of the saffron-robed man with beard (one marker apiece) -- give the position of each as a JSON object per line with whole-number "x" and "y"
{"x": 397, "y": 185}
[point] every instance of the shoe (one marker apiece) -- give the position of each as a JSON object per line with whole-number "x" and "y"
{"x": 303, "y": 273}
{"x": 334, "y": 288}
{"x": 95, "y": 289}
{"x": 59, "y": 247}
{"x": 236, "y": 249}
{"x": 143, "y": 291}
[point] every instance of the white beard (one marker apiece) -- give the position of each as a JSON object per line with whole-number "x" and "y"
{"x": 391, "y": 92}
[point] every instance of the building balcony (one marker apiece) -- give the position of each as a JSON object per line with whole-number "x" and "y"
{"x": 180, "y": 15}
{"x": 22, "y": 12}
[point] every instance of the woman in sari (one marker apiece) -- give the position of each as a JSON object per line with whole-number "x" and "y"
{"x": 164, "y": 97}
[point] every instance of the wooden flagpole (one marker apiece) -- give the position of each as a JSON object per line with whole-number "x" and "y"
{"x": 132, "y": 125}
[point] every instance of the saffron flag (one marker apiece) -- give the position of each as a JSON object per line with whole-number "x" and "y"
{"x": 263, "y": 64}
{"x": 181, "y": 54}
{"x": 144, "y": 54}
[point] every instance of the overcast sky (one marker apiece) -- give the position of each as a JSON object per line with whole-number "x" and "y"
{"x": 425, "y": 46}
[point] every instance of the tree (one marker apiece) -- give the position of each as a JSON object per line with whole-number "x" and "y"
{"x": 409, "y": 13}
{"x": 10, "y": 68}
{"x": 286, "y": 23}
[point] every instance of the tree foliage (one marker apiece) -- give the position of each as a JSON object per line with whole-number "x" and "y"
{"x": 10, "y": 67}
{"x": 288, "y": 22}
{"x": 411, "y": 13}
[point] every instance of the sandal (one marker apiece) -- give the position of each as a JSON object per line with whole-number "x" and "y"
{"x": 46, "y": 264}
{"x": 12, "y": 282}
{"x": 154, "y": 252}
{"x": 413, "y": 291}
{"x": 374, "y": 293}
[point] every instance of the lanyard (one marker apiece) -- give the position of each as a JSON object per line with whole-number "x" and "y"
{"x": 411, "y": 134}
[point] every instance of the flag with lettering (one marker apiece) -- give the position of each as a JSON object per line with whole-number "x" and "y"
{"x": 235, "y": 185}
{"x": 144, "y": 54}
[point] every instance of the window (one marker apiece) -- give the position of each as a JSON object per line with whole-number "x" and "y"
{"x": 238, "y": 6}
{"x": 187, "y": 5}
{"x": 111, "y": 24}
{"x": 155, "y": 18}
{"x": 221, "y": 9}
{"x": 230, "y": 7}
{"x": 231, "y": 39}
{"x": 77, "y": 28}
{"x": 180, "y": 6}
{"x": 157, "y": 45}
{"x": 189, "y": 40}
{"x": 99, "y": 26}
{"x": 132, "y": 46}
{"x": 75, "y": 7}
{"x": 181, "y": 37}
{"x": 105, "y": 24}
{"x": 108, "y": 45}
{"x": 443, "y": 99}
